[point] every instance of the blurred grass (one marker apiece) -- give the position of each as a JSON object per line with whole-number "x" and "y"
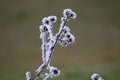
{"x": 73, "y": 73}
{"x": 97, "y": 32}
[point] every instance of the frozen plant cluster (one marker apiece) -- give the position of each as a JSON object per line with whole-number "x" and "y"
{"x": 64, "y": 37}
{"x": 96, "y": 76}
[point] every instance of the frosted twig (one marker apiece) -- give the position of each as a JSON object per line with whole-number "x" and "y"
{"x": 63, "y": 37}
{"x": 96, "y": 77}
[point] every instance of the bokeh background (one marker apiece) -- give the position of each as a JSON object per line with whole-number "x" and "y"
{"x": 97, "y": 32}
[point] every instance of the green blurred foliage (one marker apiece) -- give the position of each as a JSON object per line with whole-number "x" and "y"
{"x": 97, "y": 32}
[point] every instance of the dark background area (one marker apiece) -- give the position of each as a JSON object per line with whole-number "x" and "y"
{"x": 96, "y": 28}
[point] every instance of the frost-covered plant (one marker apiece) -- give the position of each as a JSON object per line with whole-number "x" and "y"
{"x": 96, "y": 77}
{"x": 64, "y": 37}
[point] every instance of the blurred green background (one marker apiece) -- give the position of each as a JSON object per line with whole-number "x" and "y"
{"x": 97, "y": 32}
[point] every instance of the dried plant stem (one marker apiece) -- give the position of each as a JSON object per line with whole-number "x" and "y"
{"x": 38, "y": 74}
{"x": 44, "y": 65}
{"x": 44, "y": 50}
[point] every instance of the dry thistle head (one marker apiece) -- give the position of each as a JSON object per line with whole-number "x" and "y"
{"x": 54, "y": 71}
{"x": 68, "y": 13}
{"x": 96, "y": 77}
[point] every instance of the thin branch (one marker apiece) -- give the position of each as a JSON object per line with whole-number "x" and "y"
{"x": 38, "y": 74}
{"x": 57, "y": 38}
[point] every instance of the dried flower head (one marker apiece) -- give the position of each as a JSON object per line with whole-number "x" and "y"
{"x": 45, "y": 20}
{"x": 49, "y": 20}
{"x": 43, "y": 28}
{"x": 96, "y": 77}
{"x": 54, "y": 71}
{"x": 71, "y": 38}
{"x": 68, "y": 13}
{"x": 52, "y": 19}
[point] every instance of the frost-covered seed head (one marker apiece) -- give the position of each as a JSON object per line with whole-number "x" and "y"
{"x": 68, "y": 13}
{"x": 54, "y": 71}
{"x": 73, "y": 15}
{"x": 52, "y": 19}
{"x": 43, "y": 28}
{"x": 72, "y": 38}
{"x": 45, "y": 20}
{"x": 49, "y": 20}
{"x": 96, "y": 77}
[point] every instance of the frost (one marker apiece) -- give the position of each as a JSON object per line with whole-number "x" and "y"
{"x": 52, "y": 19}
{"x": 40, "y": 68}
{"x": 66, "y": 37}
{"x": 48, "y": 54}
{"x": 49, "y": 20}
